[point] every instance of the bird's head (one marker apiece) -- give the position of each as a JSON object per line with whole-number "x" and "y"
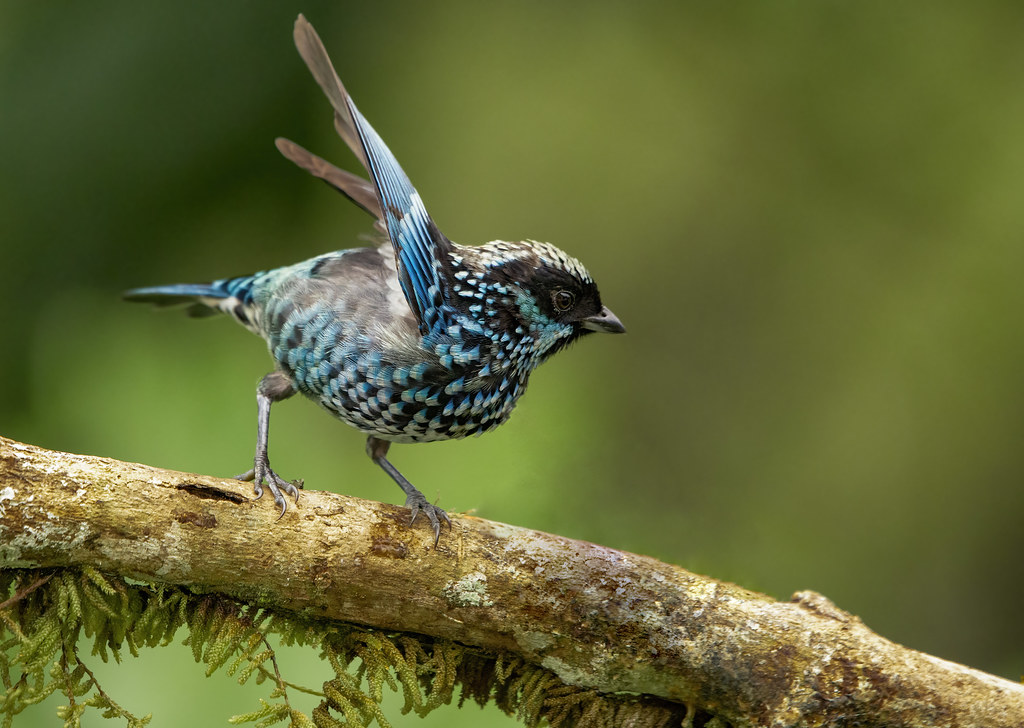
{"x": 535, "y": 298}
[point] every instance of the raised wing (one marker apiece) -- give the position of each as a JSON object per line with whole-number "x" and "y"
{"x": 421, "y": 249}
{"x": 357, "y": 189}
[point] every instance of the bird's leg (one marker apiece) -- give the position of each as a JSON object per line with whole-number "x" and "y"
{"x": 377, "y": 449}
{"x": 272, "y": 388}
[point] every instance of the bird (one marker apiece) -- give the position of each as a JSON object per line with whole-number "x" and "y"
{"x": 415, "y": 339}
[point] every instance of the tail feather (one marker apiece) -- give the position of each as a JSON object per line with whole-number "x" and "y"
{"x": 172, "y": 295}
{"x": 230, "y": 295}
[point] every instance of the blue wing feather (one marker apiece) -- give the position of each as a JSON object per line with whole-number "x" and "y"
{"x": 421, "y": 250}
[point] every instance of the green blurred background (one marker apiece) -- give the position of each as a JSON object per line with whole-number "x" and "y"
{"x": 808, "y": 214}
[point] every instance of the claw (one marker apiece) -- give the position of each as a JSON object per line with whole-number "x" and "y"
{"x": 262, "y": 474}
{"x": 416, "y": 503}
{"x": 377, "y": 449}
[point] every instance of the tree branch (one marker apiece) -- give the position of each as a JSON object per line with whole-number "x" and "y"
{"x": 601, "y": 618}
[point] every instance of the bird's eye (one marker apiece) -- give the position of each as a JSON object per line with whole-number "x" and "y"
{"x": 563, "y": 300}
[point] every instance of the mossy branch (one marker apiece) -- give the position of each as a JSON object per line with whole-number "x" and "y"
{"x": 603, "y": 622}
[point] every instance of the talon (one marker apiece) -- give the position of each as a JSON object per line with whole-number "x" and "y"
{"x": 262, "y": 475}
{"x": 414, "y": 500}
{"x": 417, "y": 503}
{"x": 290, "y": 489}
{"x": 433, "y": 514}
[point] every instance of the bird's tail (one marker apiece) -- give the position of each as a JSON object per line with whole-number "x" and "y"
{"x": 232, "y": 296}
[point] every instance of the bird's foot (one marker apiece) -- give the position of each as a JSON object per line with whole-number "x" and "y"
{"x": 418, "y": 503}
{"x": 262, "y": 474}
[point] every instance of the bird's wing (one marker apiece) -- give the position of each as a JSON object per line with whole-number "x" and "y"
{"x": 421, "y": 250}
{"x": 357, "y": 189}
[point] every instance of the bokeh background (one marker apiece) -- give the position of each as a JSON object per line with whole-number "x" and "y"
{"x": 808, "y": 214}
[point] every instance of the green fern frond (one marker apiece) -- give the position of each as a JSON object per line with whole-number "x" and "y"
{"x": 39, "y": 635}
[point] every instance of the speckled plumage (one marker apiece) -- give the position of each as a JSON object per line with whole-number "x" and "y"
{"x": 419, "y": 339}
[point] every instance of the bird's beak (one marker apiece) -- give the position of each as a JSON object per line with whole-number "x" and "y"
{"x": 605, "y": 322}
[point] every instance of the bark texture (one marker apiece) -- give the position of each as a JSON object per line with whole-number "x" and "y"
{"x": 597, "y": 617}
